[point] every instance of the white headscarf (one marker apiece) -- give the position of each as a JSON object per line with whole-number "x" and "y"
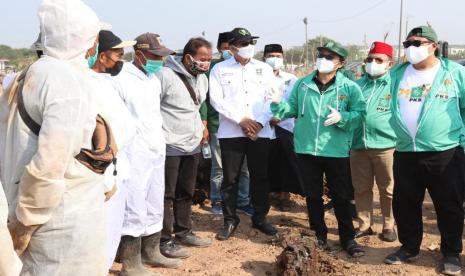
{"x": 68, "y": 28}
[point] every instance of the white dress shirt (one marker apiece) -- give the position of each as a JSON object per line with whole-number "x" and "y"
{"x": 239, "y": 92}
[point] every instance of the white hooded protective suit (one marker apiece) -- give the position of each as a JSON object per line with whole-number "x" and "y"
{"x": 146, "y": 154}
{"x": 44, "y": 184}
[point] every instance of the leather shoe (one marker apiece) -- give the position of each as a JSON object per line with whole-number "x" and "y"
{"x": 226, "y": 232}
{"x": 192, "y": 239}
{"x": 363, "y": 233}
{"x": 388, "y": 235}
{"x": 265, "y": 228}
{"x": 172, "y": 250}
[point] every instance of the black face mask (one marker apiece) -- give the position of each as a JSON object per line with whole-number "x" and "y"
{"x": 115, "y": 70}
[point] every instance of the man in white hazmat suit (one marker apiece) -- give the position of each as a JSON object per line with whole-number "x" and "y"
{"x": 113, "y": 110}
{"x": 56, "y": 203}
{"x": 143, "y": 218}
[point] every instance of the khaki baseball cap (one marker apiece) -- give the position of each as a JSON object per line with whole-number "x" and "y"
{"x": 151, "y": 42}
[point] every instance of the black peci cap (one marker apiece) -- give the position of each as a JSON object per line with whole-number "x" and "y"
{"x": 273, "y": 48}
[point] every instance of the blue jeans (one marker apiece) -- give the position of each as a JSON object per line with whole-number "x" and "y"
{"x": 216, "y": 177}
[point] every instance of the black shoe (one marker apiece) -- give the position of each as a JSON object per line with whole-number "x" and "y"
{"x": 265, "y": 228}
{"x": 388, "y": 235}
{"x": 359, "y": 233}
{"x": 353, "y": 249}
{"x": 172, "y": 250}
{"x": 193, "y": 240}
{"x": 399, "y": 257}
{"x": 226, "y": 232}
{"x": 451, "y": 266}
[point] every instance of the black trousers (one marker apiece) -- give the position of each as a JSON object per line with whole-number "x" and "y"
{"x": 442, "y": 173}
{"x": 284, "y": 171}
{"x": 180, "y": 179}
{"x": 337, "y": 171}
{"x": 233, "y": 151}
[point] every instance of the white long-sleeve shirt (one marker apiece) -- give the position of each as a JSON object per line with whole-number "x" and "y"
{"x": 239, "y": 92}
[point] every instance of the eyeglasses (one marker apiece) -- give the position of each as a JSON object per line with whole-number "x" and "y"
{"x": 247, "y": 43}
{"x": 416, "y": 43}
{"x": 376, "y": 59}
{"x": 327, "y": 56}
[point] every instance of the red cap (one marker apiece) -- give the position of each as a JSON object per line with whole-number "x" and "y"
{"x": 381, "y": 48}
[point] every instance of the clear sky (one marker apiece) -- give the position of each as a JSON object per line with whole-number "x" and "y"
{"x": 347, "y": 21}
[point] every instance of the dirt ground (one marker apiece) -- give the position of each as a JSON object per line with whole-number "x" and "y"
{"x": 252, "y": 253}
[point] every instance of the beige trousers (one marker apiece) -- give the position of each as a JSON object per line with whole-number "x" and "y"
{"x": 368, "y": 167}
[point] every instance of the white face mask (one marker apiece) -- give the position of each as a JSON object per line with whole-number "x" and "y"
{"x": 247, "y": 52}
{"x": 416, "y": 55}
{"x": 324, "y": 66}
{"x": 375, "y": 70}
{"x": 275, "y": 62}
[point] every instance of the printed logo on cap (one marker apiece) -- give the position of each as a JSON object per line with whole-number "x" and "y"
{"x": 244, "y": 32}
{"x": 372, "y": 46}
{"x": 143, "y": 46}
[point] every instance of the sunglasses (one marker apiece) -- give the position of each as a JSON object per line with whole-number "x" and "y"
{"x": 327, "y": 56}
{"x": 376, "y": 59}
{"x": 416, "y": 43}
{"x": 247, "y": 43}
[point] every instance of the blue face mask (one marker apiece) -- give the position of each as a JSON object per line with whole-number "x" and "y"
{"x": 227, "y": 54}
{"x": 93, "y": 59}
{"x": 152, "y": 66}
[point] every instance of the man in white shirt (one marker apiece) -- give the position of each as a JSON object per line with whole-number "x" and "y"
{"x": 284, "y": 170}
{"x": 240, "y": 90}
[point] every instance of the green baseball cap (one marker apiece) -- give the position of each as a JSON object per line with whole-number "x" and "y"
{"x": 336, "y": 48}
{"x": 424, "y": 31}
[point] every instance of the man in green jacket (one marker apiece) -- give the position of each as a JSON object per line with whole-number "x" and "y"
{"x": 373, "y": 145}
{"x": 328, "y": 107}
{"x": 428, "y": 107}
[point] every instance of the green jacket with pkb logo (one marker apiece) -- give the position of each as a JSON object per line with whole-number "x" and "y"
{"x": 440, "y": 124}
{"x": 375, "y": 132}
{"x": 310, "y": 108}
